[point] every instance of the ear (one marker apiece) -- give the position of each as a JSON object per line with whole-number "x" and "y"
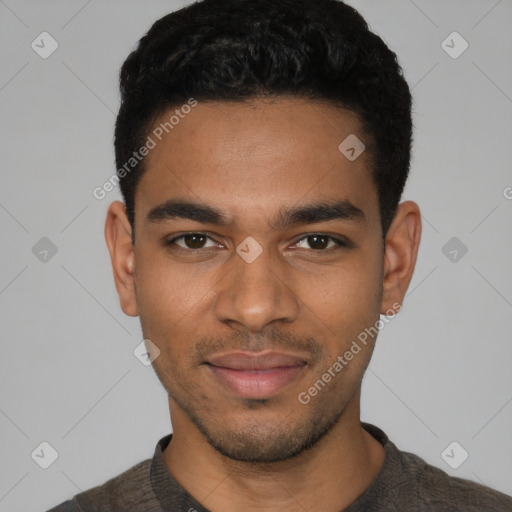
{"x": 402, "y": 243}
{"x": 118, "y": 235}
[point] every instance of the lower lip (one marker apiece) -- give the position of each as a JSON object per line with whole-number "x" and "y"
{"x": 256, "y": 383}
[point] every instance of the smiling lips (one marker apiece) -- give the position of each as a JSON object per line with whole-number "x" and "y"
{"x": 256, "y": 374}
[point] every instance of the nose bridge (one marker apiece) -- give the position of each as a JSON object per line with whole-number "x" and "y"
{"x": 255, "y": 292}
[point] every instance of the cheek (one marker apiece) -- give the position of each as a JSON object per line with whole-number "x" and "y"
{"x": 347, "y": 291}
{"x": 345, "y": 301}
{"x": 168, "y": 294}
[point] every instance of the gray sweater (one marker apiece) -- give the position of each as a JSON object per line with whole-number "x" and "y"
{"x": 405, "y": 483}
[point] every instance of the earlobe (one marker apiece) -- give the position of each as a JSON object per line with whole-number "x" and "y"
{"x": 118, "y": 235}
{"x": 402, "y": 243}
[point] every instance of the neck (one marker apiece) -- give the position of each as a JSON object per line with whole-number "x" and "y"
{"x": 328, "y": 477}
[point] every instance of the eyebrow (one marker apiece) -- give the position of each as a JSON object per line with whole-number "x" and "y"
{"x": 286, "y": 217}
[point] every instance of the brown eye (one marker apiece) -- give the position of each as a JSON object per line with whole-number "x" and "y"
{"x": 194, "y": 241}
{"x": 319, "y": 242}
{"x": 191, "y": 241}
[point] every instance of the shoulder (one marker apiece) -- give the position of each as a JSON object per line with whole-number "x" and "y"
{"x": 128, "y": 490}
{"x": 68, "y": 506}
{"x": 408, "y": 482}
{"x": 436, "y": 490}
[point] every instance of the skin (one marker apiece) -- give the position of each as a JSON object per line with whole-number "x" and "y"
{"x": 250, "y": 160}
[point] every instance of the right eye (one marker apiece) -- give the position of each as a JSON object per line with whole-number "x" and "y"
{"x": 191, "y": 241}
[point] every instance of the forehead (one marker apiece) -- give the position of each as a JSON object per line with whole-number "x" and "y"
{"x": 250, "y": 158}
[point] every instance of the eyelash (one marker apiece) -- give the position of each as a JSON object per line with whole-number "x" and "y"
{"x": 338, "y": 241}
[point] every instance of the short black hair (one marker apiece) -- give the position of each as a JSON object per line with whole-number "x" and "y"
{"x": 234, "y": 50}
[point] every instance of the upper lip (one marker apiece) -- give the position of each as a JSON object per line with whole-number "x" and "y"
{"x": 244, "y": 360}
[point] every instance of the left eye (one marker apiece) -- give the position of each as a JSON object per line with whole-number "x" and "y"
{"x": 321, "y": 242}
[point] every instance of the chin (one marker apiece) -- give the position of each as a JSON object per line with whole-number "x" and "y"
{"x": 262, "y": 440}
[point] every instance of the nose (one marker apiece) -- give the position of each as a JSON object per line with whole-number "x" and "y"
{"x": 255, "y": 294}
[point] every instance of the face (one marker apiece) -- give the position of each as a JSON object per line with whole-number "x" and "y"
{"x": 258, "y": 262}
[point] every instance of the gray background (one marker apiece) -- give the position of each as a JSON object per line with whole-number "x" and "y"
{"x": 441, "y": 371}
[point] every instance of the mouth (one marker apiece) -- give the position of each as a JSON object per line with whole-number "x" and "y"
{"x": 256, "y": 374}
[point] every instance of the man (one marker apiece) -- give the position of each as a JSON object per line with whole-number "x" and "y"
{"x": 262, "y": 148}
